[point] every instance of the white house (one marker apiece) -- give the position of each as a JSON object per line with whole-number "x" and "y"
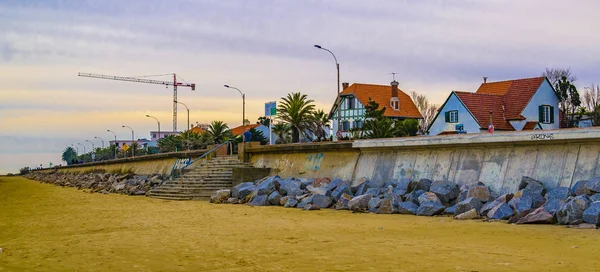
{"x": 512, "y": 105}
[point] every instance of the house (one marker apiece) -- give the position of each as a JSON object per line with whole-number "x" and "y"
{"x": 512, "y": 105}
{"x": 155, "y": 135}
{"x": 398, "y": 105}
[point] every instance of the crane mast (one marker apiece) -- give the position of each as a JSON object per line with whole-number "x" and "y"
{"x": 175, "y": 84}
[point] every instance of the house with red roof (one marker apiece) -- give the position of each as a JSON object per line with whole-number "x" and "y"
{"x": 398, "y": 105}
{"x": 511, "y": 105}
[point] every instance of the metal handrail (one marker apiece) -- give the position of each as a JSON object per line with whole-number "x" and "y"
{"x": 228, "y": 143}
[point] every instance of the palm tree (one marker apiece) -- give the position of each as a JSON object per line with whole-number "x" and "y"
{"x": 321, "y": 120}
{"x": 219, "y": 132}
{"x": 69, "y": 155}
{"x": 379, "y": 128}
{"x": 282, "y": 130}
{"x": 297, "y": 111}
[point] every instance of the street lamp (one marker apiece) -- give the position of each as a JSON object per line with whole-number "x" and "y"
{"x": 243, "y": 107}
{"x": 93, "y": 148}
{"x": 83, "y": 148}
{"x": 158, "y": 125}
{"x": 132, "y": 149}
{"x": 100, "y": 140}
{"x": 108, "y": 130}
{"x": 338, "y": 87}
{"x": 188, "y": 112}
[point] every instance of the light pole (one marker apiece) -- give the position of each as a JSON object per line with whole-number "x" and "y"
{"x": 158, "y": 126}
{"x": 108, "y": 130}
{"x": 243, "y": 106}
{"x": 188, "y": 112}
{"x": 93, "y": 148}
{"x": 82, "y": 158}
{"x": 337, "y": 65}
{"x": 132, "y": 139}
{"x": 100, "y": 140}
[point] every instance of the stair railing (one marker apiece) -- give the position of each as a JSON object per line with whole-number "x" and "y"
{"x": 176, "y": 173}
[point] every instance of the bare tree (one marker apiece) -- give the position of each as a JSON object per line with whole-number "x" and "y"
{"x": 591, "y": 101}
{"x": 555, "y": 74}
{"x": 428, "y": 110}
{"x": 563, "y": 82}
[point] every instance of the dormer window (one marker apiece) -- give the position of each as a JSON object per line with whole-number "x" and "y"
{"x": 395, "y": 103}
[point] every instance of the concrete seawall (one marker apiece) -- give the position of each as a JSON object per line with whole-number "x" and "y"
{"x": 558, "y": 158}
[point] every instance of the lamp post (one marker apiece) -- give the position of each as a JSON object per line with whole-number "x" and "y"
{"x": 159, "y": 126}
{"x": 76, "y": 148}
{"x": 337, "y": 65}
{"x": 83, "y": 148}
{"x": 132, "y": 139}
{"x": 243, "y": 106}
{"x": 100, "y": 140}
{"x": 93, "y": 148}
{"x": 108, "y": 130}
{"x": 188, "y": 112}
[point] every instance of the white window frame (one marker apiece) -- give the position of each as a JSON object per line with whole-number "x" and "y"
{"x": 453, "y": 116}
{"x": 546, "y": 114}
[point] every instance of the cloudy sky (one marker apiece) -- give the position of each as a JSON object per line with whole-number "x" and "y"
{"x": 265, "y": 48}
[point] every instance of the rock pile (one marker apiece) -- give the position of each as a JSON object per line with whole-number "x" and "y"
{"x": 105, "y": 183}
{"x": 532, "y": 204}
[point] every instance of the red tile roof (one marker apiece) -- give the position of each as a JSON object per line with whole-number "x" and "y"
{"x": 517, "y": 94}
{"x": 530, "y": 125}
{"x": 240, "y": 130}
{"x": 480, "y": 105}
{"x": 382, "y": 94}
{"x": 198, "y": 130}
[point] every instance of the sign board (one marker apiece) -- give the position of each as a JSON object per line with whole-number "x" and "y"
{"x": 180, "y": 163}
{"x": 271, "y": 108}
{"x": 125, "y": 147}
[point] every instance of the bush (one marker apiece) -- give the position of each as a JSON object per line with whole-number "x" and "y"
{"x": 24, "y": 170}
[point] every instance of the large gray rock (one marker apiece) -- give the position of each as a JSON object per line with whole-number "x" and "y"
{"x": 490, "y": 205}
{"x": 414, "y": 196}
{"x": 402, "y": 187}
{"x": 357, "y": 183}
{"x": 558, "y": 193}
{"x": 429, "y": 197}
{"x": 594, "y": 197}
{"x": 445, "y": 190}
{"x": 592, "y": 186}
{"x": 289, "y": 187}
{"x": 538, "y": 216}
{"x": 467, "y": 205}
{"x": 259, "y": 200}
{"x": 340, "y": 190}
{"x": 333, "y": 184}
{"x": 423, "y": 184}
{"x": 236, "y": 189}
{"x": 374, "y": 192}
{"x": 572, "y": 212}
{"x": 430, "y": 208}
{"x": 305, "y": 201}
{"x": 579, "y": 188}
{"x": 450, "y": 210}
{"x": 322, "y": 201}
{"x": 267, "y": 186}
{"x": 274, "y": 198}
{"x": 362, "y": 189}
{"x": 532, "y": 184}
{"x": 245, "y": 191}
{"x": 480, "y": 192}
{"x": 407, "y": 207}
{"x": 374, "y": 204}
{"x": 522, "y": 202}
{"x": 316, "y": 190}
{"x": 388, "y": 205}
{"x": 342, "y": 203}
{"x": 221, "y": 196}
{"x": 502, "y": 211}
{"x": 291, "y": 202}
{"x": 552, "y": 205}
{"x": 359, "y": 203}
{"x": 311, "y": 207}
{"x": 470, "y": 214}
{"x": 591, "y": 215}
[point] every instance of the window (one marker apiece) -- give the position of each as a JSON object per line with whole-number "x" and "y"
{"x": 358, "y": 123}
{"x": 351, "y": 102}
{"x": 452, "y": 116}
{"x": 345, "y": 125}
{"x": 153, "y": 136}
{"x": 546, "y": 114}
{"x": 395, "y": 103}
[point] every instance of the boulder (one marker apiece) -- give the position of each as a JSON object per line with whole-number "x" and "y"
{"x": 342, "y": 203}
{"x": 450, "y": 210}
{"x": 322, "y": 201}
{"x": 572, "y": 212}
{"x": 430, "y": 208}
{"x": 340, "y": 190}
{"x": 558, "y": 193}
{"x": 490, "y": 205}
{"x": 532, "y": 185}
{"x": 289, "y": 187}
{"x": 553, "y": 204}
{"x": 311, "y": 207}
{"x": 359, "y": 203}
{"x": 594, "y": 197}
{"x": 374, "y": 192}
{"x": 480, "y": 192}
{"x": 259, "y": 200}
{"x": 591, "y": 215}
{"x": 467, "y": 205}
{"x": 321, "y": 182}
{"x": 357, "y": 183}
{"x": 221, "y": 196}
{"x": 402, "y": 187}
{"x": 154, "y": 180}
{"x": 333, "y": 184}
{"x": 267, "y": 186}
{"x": 291, "y": 202}
{"x": 362, "y": 189}
{"x": 502, "y": 211}
{"x": 374, "y": 204}
{"x": 429, "y": 197}
{"x": 470, "y": 214}
{"x": 304, "y": 202}
{"x": 414, "y": 196}
{"x": 245, "y": 191}
{"x": 592, "y": 186}
{"x": 274, "y": 198}
{"x": 236, "y": 189}
{"x": 407, "y": 207}
{"x": 522, "y": 202}
{"x": 578, "y": 188}
{"x": 423, "y": 184}
{"x": 445, "y": 190}
{"x": 316, "y": 190}
{"x": 232, "y": 200}
{"x": 139, "y": 193}
{"x": 304, "y": 182}
{"x": 388, "y": 191}
{"x": 388, "y": 205}
{"x": 538, "y": 216}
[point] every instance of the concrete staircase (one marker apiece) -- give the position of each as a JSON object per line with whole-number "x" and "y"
{"x": 201, "y": 182}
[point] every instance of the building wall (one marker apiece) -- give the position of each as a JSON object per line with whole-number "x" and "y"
{"x": 464, "y": 117}
{"x": 544, "y": 96}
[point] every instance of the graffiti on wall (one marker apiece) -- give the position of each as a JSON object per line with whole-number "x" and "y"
{"x": 180, "y": 163}
{"x": 543, "y": 136}
{"x": 313, "y": 161}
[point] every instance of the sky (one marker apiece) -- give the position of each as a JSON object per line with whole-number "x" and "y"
{"x": 264, "y": 48}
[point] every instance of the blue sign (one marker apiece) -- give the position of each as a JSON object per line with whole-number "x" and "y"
{"x": 271, "y": 108}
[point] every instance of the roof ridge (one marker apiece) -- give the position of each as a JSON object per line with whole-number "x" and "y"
{"x": 511, "y": 80}
{"x": 465, "y": 92}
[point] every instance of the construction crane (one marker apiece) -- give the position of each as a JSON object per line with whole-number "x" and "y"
{"x": 173, "y": 83}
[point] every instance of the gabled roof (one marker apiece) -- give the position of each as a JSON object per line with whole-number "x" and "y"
{"x": 198, "y": 130}
{"x": 382, "y": 94}
{"x": 480, "y": 106}
{"x": 517, "y": 94}
{"x": 240, "y": 130}
{"x": 531, "y": 126}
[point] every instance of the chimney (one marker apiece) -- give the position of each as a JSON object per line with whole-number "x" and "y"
{"x": 394, "y": 88}
{"x": 345, "y": 85}
{"x": 484, "y": 79}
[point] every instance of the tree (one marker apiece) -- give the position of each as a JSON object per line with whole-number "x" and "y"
{"x": 569, "y": 99}
{"x": 219, "y": 132}
{"x": 379, "y": 128}
{"x": 406, "y": 127}
{"x": 428, "y": 110}
{"x": 282, "y": 130}
{"x": 554, "y": 75}
{"x": 170, "y": 143}
{"x": 297, "y": 111}
{"x": 591, "y": 100}
{"x": 372, "y": 110}
{"x": 265, "y": 121}
{"x": 69, "y": 155}
{"x": 258, "y": 136}
{"x": 321, "y": 121}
